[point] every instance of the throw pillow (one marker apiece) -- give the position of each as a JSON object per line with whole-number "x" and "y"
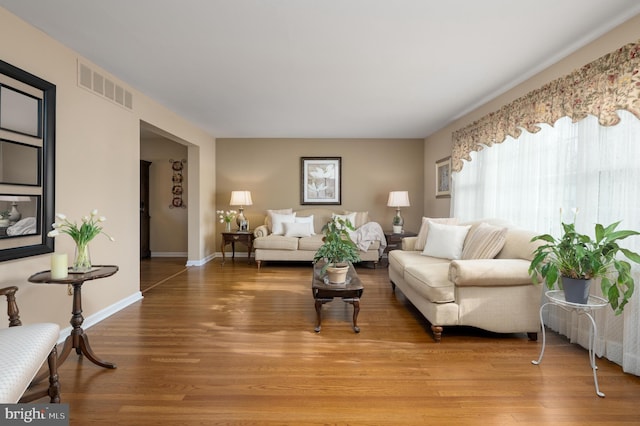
{"x": 361, "y": 218}
{"x": 351, "y": 217}
{"x": 445, "y": 241}
{"x": 424, "y": 229}
{"x": 309, "y": 221}
{"x": 292, "y": 229}
{"x": 278, "y": 220}
{"x": 484, "y": 242}
{"x": 269, "y": 221}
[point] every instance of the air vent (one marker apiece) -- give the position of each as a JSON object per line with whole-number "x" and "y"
{"x": 103, "y": 86}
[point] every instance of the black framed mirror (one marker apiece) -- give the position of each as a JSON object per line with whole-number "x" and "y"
{"x": 27, "y": 163}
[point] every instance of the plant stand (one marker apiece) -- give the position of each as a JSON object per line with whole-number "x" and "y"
{"x": 556, "y": 297}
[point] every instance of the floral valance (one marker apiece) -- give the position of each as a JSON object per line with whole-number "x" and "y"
{"x": 600, "y": 88}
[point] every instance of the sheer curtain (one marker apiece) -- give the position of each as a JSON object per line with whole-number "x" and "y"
{"x": 582, "y": 166}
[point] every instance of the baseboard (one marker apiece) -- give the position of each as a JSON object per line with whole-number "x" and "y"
{"x": 201, "y": 261}
{"x": 168, "y": 254}
{"x": 103, "y": 314}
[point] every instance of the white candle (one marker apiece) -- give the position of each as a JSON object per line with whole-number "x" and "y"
{"x": 59, "y": 266}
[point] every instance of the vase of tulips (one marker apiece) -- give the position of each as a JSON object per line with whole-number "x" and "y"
{"x": 226, "y": 217}
{"x": 82, "y": 235}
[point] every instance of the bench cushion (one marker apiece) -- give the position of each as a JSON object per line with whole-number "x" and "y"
{"x": 23, "y": 350}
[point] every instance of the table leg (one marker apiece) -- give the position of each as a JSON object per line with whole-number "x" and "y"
{"x": 544, "y": 340}
{"x": 222, "y": 249}
{"x": 356, "y": 311}
{"x": 592, "y": 355}
{"x": 78, "y": 338}
{"x": 318, "y": 304}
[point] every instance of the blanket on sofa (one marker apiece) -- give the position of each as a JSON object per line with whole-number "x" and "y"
{"x": 367, "y": 234}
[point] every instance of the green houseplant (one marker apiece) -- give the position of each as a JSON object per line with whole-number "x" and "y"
{"x": 578, "y": 256}
{"x": 337, "y": 249}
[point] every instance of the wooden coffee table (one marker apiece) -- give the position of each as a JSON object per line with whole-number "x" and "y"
{"x": 350, "y": 292}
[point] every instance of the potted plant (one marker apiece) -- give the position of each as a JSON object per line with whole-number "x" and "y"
{"x": 577, "y": 258}
{"x": 337, "y": 250}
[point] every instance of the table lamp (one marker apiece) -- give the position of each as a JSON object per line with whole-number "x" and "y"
{"x": 240, "y": 198}
{"x": 398, "y": 199}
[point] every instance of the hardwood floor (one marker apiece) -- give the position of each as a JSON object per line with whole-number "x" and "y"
{"x": 234, "y": 345}
{"x": 155, "y": 271}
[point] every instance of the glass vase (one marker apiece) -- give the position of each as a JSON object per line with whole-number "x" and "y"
{"x": 227, "y": 226}
{"x": 82, "y": 259}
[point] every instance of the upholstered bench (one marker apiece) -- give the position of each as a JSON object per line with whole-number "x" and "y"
{"x": 23, "y": 351}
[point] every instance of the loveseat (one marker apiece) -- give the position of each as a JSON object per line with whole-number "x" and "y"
{"x": 288, "y": 235}
{"x": 475, "y": 274}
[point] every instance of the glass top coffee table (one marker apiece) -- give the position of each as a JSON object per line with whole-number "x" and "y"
{"x": 349, "y": 292}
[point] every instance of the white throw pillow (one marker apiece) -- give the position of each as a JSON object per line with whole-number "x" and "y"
{"x": 296, "y": 229}
{"x": 424, "y": 229}
{"x": 351, "y": 217}
{"x": 445, "y": 241}
{"x": 278, "y": 219}
{"x": 269, "y": 222}
{"x": 308, "y": 220}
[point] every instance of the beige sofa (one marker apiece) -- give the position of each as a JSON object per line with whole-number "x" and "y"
{"x": 284, "y": 240}
{"x": 487, "y": 286}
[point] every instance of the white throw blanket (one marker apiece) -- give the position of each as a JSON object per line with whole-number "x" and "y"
{"x": 367, "y": 234}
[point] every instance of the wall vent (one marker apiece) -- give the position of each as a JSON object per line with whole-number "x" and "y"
{"x": 103, "y": 86}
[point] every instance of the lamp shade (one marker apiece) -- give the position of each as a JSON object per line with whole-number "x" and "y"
{"x": 398, "y": 199}
{"x": 240, "y": 198}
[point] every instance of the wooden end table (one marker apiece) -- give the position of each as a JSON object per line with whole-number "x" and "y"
{"x": 78, "y": 339}
{"x": 245, "y": 237}
{"x": 350, "y": 292}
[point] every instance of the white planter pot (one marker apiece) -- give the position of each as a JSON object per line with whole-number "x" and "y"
{"x": 337, "y": 274}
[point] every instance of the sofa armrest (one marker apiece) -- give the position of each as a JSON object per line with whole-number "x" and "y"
{"x": 409, "y": 243}
{"x": 261, "y": 231}
{"x": 489, "y": 272}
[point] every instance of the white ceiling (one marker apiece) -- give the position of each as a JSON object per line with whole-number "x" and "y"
{"x": 323, "y": 68}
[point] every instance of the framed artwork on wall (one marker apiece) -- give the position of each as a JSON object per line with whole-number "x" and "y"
{"x": 443, "y": 178}
{"x": 320, "y": 180}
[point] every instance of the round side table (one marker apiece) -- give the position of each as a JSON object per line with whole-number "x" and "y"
{"x": 556, "y": 297}
{"x": 78, "y": 339}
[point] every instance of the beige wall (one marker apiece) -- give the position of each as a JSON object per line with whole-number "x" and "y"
{"x": 439, "y": 144}
{"x": 168, "y": 224}
{"x": 270, "y": 169}
{"x": 97, "y": 166}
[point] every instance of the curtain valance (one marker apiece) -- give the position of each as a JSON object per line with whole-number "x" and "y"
{"x": 599, "y": 88}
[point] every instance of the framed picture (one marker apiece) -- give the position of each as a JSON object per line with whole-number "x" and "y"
{"x": 320, "y": 180}
{"x": 443, "y": 178}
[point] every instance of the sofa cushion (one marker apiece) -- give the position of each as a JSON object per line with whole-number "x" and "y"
{"x": 276, "y": 242}
{"x": 445, "y": 241}
{"x": 424, "y": 229}
{"x": 308, "y": 220}
{"x": 268, "y": 221}
{"x": 277, "y": 221}
{"x": 489, "y": 272}
{"x": 484, "y": 241}
{"x": 403, "y": 258}
{"x": 311, "y": 243}
{"x": 431, "y": 281}
{"x": 296, "y": 229}
{"x": 361, "y": 218}
{"x": 351, "y": 217}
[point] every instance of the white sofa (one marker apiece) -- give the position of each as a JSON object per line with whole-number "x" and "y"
{"x": 286, "y": 239}
{"x": 486, "y": 286}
